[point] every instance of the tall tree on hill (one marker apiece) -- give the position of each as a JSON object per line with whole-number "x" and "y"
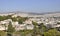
{"x": 10, "y": 29}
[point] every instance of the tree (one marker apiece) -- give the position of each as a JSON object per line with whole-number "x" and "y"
{"x": 2, "y": 18}
{"x": 42, "y": 28}
{"x": 2, "y": 33}
{"x": 36, "y": 30}
{"x": 25, "y": 18}
{"x": 34, "y": 23}
{"x": 20, "y": 21}
{"x": 52, "y": 32}
{"x": 14, "y": 19}
{"x": 9, "y": 17}
{"x": 10, "y": 29}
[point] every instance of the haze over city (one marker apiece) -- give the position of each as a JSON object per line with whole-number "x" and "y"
{"x": 30, "y": 5}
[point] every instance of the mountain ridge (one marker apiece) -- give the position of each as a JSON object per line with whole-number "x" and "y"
{"x": 33, "y": 13}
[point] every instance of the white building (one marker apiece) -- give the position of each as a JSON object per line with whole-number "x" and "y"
{"x": 20, "y": 27}
{"x": 3, "y": 28}
{"x": 29, "y": 26}
{"x": 15, "y": 23}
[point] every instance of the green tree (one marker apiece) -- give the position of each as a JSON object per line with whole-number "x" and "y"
{"x": 34, "y": 23}
{"x": 36, "y": 30}
{"x": 20, "y": 21}
{"x": 10, "y": 29}
{"x": 4, "y": 18}
{"x": 1, "y": 18}
{"x": 14, "y": 19}
{"x": 2, "y": 33}
{"x": 42, "y": 28}
{"x": 52, "y": 32}
{"x": 9, "y": 17}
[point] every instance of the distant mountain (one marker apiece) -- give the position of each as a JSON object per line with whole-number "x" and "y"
{"x": 31, "y": 13}
{"x": 50, "y": 12}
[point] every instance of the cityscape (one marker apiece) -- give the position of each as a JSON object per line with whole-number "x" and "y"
{"x": 29, "y": 17}
{"x": 23, "y": 22}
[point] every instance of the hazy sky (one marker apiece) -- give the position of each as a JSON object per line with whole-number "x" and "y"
{"x": 30, "y": 5}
